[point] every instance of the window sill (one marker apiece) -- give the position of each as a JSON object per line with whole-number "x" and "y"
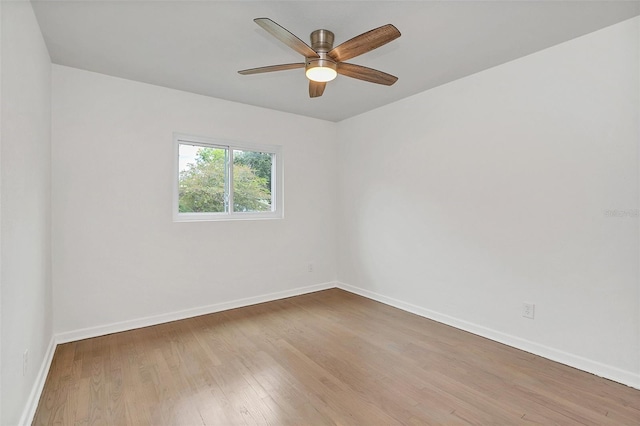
{"x": 207, "y": 217}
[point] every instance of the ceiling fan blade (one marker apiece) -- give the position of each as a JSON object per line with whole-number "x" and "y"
{"x": 366, "y": 74}
{"x": 316, "y": 89}
{"x": 364, "y": 43}
{"x": 281, "y": 67}
{"x": 286, "y": 37}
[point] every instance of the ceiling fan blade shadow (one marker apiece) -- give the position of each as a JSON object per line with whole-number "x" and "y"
{"x": 366, "y": 74}
{"x": 364, "y": 43}
{"x": 316, "y": 89}
{"x": 286, "y": 37}
{"x": 271, "y": 68}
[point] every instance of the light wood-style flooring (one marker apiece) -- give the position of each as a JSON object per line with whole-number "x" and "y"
{"x": 324, "y": 358}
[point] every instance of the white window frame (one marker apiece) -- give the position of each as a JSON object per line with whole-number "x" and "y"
{"x": 277, "y": 186}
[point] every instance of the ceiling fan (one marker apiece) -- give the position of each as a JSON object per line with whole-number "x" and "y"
{"x": 323, "y": 62}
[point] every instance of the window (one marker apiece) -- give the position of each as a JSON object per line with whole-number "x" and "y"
{"x": 218, "y": 180}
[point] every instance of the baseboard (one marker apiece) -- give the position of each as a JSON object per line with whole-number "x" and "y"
{"x": 590, "y": 366}
{"x": 86, "y": 333}
{"x": 34, "y": 397}
{"x": 621, "y": 376}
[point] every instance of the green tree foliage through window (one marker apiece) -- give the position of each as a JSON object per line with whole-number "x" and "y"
{"x": 259, "y": 162}
{"x": 251, "y": 181}
{"x": 204, "y": 184}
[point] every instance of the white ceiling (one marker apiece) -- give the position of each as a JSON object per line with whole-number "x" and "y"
{"x": 198, "y": 46}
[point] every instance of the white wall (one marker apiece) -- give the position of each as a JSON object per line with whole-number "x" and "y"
{"x": 117, "y": 254}
{"x": 25, "y": 165}
{"x": 467, "y": 200}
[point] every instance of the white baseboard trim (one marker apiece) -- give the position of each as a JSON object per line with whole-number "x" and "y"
{"x": 621, "y": 376}
{"x": 101, "y": 330}
{"x": 34, "y": 397}
{"x": 625, "y": 377}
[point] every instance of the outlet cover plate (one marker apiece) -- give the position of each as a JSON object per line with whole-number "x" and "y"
{"x": 528, "y": 310}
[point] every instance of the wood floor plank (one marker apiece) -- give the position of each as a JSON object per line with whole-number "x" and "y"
{"x": 325, "y": 358}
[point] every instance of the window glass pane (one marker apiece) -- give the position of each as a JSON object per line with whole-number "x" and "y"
{"x": 252, "y": 181}
{"x": 202, "y": 179}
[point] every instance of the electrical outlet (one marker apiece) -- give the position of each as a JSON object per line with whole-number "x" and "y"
{"x": 310, "y": 267}
{"x": 528, "y": 310}
{"x": 25, "y": 362}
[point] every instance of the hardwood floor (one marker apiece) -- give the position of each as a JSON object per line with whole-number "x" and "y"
{"x": 330, "y": 357}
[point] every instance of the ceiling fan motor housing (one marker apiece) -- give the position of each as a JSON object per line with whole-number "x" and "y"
{"x": 323, "y": 61}
{"x": 321, "y": 42}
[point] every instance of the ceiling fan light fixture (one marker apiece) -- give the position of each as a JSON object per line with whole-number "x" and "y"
{"x": 322, "y": 60}
{"x": 320, "y": 70}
